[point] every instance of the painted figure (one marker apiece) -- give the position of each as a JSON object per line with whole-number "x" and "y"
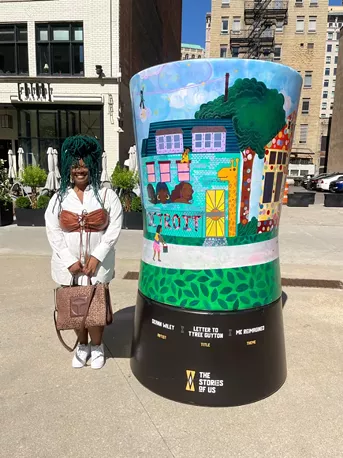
{"x": 182, "y": 193}
{"x": 151, "y": 193}
{"x": 158, "y": 241}
{"x": 162, "y": 193}
{"x": 185, "y": 155}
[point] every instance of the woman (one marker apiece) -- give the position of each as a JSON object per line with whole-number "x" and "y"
{"x": 158, "y": 240}
{"x": 83, "y": 223}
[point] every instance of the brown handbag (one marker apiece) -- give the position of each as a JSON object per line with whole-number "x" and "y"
{"x": 81, "y": 307}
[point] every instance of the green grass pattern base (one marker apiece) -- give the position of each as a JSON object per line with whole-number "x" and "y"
{"x": 212, "y": 290}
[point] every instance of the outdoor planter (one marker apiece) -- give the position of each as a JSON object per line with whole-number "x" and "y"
{"x": 29, "y": 217}
{"x": 299, "y": 200}
{"x": 214, "y": 142}
{"x": 310, "y": 196}
{"x": 133, "y": 220}
{"x": 6, "y": 214}
{"x": 333, "y": 200}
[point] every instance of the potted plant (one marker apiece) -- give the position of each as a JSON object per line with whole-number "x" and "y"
{"x": 30, "y": 210}
{"x": 124, "y": 181}
{"x": 6, "y": 205}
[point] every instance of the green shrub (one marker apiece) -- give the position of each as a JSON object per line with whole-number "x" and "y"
{"x": 43, "y": 202}
{"x": 34, "y": 176}
{"x": 5, "y": 196}
{"x": 136, "y": 204}
{"x": 124, "y": 182}
{"x": 23, "y": 202}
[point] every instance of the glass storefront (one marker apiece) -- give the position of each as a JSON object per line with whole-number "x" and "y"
{"x": 38, "y": 129}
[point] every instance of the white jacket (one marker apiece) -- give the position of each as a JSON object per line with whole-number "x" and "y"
{"x": 66, "y": 245}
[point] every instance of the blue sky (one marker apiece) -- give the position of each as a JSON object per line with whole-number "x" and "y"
{"x": 194, "y": 18}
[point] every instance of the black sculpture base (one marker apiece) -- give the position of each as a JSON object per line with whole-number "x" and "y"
{"x": 209, "y": 359}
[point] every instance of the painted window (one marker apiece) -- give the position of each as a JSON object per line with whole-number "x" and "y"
{"x": 272, "y": 158}
{"x": 278, "y": 186}
{"x": 169, "y": 143}
{"x": 183, "y": 171}
{"x": 150, "y": 166}
{"x": 208, "y": 141}
{"x": 268, "y": 187}
{"x": 164, "y": 171}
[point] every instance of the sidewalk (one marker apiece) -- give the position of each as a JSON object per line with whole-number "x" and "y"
{"x": 49, "y": 410}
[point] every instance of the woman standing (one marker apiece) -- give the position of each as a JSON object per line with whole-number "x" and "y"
{"x": 158, "y": 240}
{"x": 83, "y": 223}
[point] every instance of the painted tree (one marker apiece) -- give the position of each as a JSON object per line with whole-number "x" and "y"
{"x": 257, "y": 114}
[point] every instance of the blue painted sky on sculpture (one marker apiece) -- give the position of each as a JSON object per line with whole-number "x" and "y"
{"x": 177, "y": 90}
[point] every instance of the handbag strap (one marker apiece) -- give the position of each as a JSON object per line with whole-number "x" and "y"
{"x": 82, "y": 327}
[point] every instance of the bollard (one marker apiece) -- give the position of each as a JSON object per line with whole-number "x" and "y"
{"x": 213, "y": 138}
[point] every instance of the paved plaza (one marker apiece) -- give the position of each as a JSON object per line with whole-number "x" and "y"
{"x": 50, "y": 410}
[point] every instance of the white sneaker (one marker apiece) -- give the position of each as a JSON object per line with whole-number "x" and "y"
{"x": 98, "y": 356}
{"x": 82, "y": 353}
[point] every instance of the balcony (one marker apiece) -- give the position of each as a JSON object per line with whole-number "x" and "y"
{"x": 272, "y": 10}
{"x": 252, "y": 37}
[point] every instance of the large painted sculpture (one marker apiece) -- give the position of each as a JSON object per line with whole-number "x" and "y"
{"x": 214, "y": 139}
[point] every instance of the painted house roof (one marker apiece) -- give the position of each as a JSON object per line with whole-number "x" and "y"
{"x": 187, "y": 126}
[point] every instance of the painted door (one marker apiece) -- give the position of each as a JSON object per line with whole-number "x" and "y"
{"x": 215, "y": 213}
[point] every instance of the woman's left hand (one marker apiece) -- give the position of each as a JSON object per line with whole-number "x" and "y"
{"x": 91, "y": 266}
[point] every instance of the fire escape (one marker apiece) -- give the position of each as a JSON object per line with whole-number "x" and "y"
{"x": 257, "y": 41}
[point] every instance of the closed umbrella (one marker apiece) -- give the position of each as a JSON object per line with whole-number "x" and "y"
{"x": 104, "y": 175}
{"x": 12, "y": 165}
{"x": 56, "y": 169}
{"x": 51, "y": 180}
{"x": 21, "y": 162}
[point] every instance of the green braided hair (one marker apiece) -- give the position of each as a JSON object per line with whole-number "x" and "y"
{"x": 89, "y": 150}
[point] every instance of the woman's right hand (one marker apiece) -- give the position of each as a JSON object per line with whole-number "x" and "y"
{"x": 76, "y": 268}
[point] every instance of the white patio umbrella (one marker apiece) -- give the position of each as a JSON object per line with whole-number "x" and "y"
{"x": 56, "y": 169}
{"x": 105, "y": 181}
{"x": 21, "y": 162}
{"x": 12, "y": 165}
{"x": 132, "y": 163}
{"x": 51, "y": 180}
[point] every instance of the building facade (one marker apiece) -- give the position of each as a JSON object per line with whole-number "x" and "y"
{"x": 65, "y": 70}
{"x": 189, "y": 51}
{"x": 289, "y": 32}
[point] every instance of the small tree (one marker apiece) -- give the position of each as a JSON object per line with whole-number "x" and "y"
{"x": 5, "y": 196}
{"x": 124, "y": 182}
{"x": 34, "y": 177}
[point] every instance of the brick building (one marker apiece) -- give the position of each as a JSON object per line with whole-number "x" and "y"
{"x": 65, "y": 70}
{"x": 289, "y": 32}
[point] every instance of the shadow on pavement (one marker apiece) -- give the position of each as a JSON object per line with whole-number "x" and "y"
{"x": 118, "y": 336}
{"x": 284, "y": 298}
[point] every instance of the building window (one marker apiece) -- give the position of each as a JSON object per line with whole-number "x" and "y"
{"x": 336, "y": 59}
{"x": 328, "y": 48}
{"x": 299, "y": 2}
{"x": 225, "y": 25}
{"x": 303, "y": 133}
{"x": 308, "y": 80}
{"x": 193, "y": 56}
{"x": 305, "y": 106}
{"x": 335, "y": 71}
{"x": 337, "y": 36}
{"x": 326, "y": 83}
{"x": 310, "y": 45}
{"x": 313, "y": 2}
{"x": 13, "y": 49}
{"x": 60, "y": 49}
{"x": 183, "y": 170}
{"x": 277, "y": 52}
{"x": 150, "y": 167}
{"x": 312, "y": 24}
{"x": 169, "y": 141}
{"x": 337, "y": 48}
{"x": 208, "y": 139}
{"x": 199, "y": 56}
{"x": 327, "y": 71}
{"x": 325, "y": 94}
{"x": 330, "y": 35}
{"x": 333, "y": 94}
{"x": 225, "y": 3}
{"x": 333, "y": 83}
{"x": 164, "y": 171}
{"x": 300, "y": 27}
{"x": 223, "y": 51}
{"x": 328, "y": 59}
{"x": 236, "y": 25}
{"x": 279, "y": 26}
{"x": 331, "y": 106}
{"x": 324, "y": 105}
{"x": 186, "y": 56}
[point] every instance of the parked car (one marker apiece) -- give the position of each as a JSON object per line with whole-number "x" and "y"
{"x": 323, "y": 184}
{"x": 312, "y": 184}
{"x": 306, "y": 180}
{"x": 336, "y": 186}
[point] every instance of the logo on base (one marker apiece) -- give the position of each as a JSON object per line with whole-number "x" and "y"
{"x": 190, "y": 380}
